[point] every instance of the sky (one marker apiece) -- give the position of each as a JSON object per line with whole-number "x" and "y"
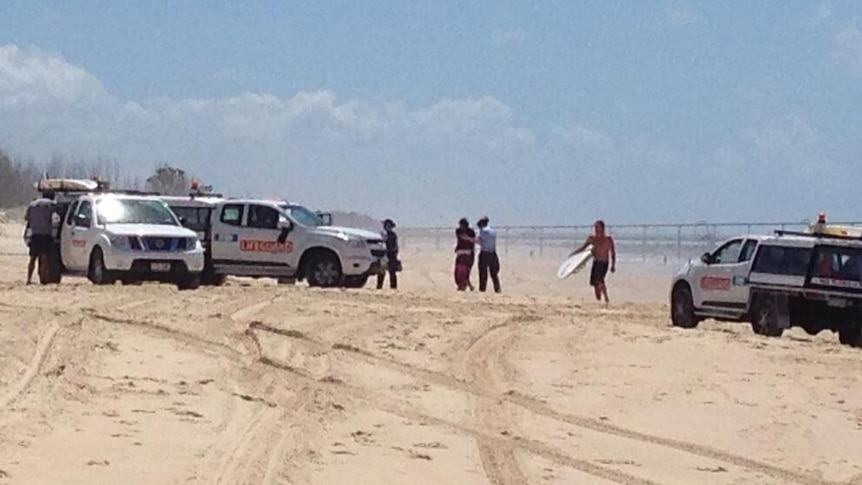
{"x": 544, "y": 112}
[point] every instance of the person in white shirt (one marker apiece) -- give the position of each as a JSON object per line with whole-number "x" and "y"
{"x": 489, "y": 262}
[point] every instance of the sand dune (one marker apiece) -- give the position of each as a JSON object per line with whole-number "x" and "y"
{"x": 259, "y": 383}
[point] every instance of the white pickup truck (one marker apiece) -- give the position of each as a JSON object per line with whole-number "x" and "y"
{"x": 278, "y": 239}
{"x": 109, "y": 236}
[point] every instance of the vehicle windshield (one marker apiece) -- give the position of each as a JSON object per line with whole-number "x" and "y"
{"x": 302, "y": 215}
{"x": 134, "y": 211}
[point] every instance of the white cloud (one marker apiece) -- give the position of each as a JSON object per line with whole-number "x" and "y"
{"x": 313, "y": 146}
{"x": 29, "y": 76}
{"x": 431, "y": 164}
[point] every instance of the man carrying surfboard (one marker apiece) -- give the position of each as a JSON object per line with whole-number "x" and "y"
{"x": 604, "y": 256}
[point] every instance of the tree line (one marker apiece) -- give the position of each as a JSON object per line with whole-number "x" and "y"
{"x": 18, "y": 179}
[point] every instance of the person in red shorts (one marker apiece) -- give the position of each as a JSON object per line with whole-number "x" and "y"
{"x": 465, "y": 251}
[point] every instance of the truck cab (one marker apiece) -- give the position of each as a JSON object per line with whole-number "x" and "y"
{"x": 280, "y": 239}
{"x": 715, "y": 285}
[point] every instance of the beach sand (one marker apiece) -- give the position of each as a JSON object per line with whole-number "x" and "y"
{"x": 255, "y": 382}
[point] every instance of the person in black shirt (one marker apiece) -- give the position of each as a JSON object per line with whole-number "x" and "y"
{"x": 465, "y": 251}
{"x": 391, "y": 254}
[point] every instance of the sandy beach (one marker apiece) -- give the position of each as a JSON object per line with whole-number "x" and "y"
{"x": 259, "y": 383}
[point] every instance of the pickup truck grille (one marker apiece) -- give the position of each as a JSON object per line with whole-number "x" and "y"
{"x": 156, "y": 243}
{"x": 378, "y": 253}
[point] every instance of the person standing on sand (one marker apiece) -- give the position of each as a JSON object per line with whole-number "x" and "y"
{"x": 40, "y": 222}
{"x": 391, "y": 254}
{"x": 465, "y": 247}
{"x": 489, "y": 262}
{"x": 604, "y": 254}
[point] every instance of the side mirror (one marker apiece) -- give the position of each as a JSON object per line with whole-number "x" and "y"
{"x": 183, "y": 221}
{"x": 327, "y": 218}
{"x": 285, "y": 231}
{"x": 706, "y": 258}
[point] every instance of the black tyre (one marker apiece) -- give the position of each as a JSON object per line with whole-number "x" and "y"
{"x": 682, "y": 308}
{"x": 44, "y": 269}
{"x": 764, "y": 317}
{"x": 97, "y": 272}
{"x": 355, "y": 281}
{"x": 190, "y": 282}
{"x": 55, "y": 266}
{"x": 324, "y": 270}
{"x": 213, "y": 279}
{"x": 131, "y": 282}
{"x": 851, "y": 335}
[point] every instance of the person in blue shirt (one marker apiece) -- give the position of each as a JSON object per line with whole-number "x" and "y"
{"x": 392, "y": 254}
{"x": 489, "y": 262}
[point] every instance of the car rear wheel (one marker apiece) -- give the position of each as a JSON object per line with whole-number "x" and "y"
{"x": 851, "y": 335}
{"x": 97, "y": 272}
{"x": 764, "y": 317}
{"x": 682, "y": 308}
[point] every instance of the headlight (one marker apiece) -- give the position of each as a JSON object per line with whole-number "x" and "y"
{"x": 121, "y": 242}
{"x": 193, "y": 243}
{"x": 356, "y": 243}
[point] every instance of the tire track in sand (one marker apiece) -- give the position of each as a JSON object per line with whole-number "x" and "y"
{"x": 542, "y": 409}
{"x": 405, "y": 411}
{"x": 252, "y": 452}
{"x": 43, "y": 348}
{"x": 499, "y": 462}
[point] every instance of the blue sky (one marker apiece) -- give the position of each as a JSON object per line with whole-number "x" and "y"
{"x": 534, "y": 112}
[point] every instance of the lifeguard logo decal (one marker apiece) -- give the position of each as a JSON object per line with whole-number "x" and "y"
{"x": 250, "y": 245}
{"x": 715, "y": 283}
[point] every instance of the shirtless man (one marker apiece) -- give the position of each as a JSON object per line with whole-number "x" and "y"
{"x": 604, "y": 254}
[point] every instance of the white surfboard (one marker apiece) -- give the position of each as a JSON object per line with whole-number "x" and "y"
{"x": 67, "y": 184}
{"x": 575, "y": 262}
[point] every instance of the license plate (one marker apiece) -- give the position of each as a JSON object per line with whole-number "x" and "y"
{"x": 160, "y": 267}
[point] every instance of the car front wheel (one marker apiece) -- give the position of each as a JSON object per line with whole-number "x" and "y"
{"x": 682, "y": 308}
{"x": 324, "y": 271}
{"x": 851, "y": 335}
{"x": 97, "y": 272}
{"x": 190, "y": 282}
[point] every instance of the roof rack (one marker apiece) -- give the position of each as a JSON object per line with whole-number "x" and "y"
{"x": 205, "y": 194}
{"x": 782, "y": 232}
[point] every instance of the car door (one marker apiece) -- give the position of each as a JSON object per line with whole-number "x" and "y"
{"x": 716, "y": 283}
{"x": 66, "y": 231}
{"x": 739, "y": 274}
{"x": 264, "y": 243}
{"x": 80, "y": 236}
{"x": 226, "y": 228}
